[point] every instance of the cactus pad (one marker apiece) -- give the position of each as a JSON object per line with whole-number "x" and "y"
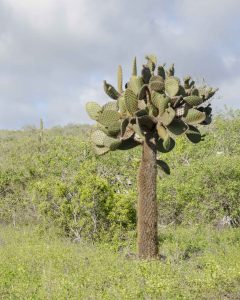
{"x": 108, "y": 117}
{"x": 100, "y": 150}
{"x": 171, "y": 86}
{"x": 177, "y": 127}
{"x": 168, "y": 116}
{"x": 131, "y": 101}
{"x": 194, "y": 116}
{"x": 93, "y": 109}
{"x": 112, "y": 105}
{"x": 135, "y": 84}
{"x": 97, "y": 137}
{"x": 110, "y": 90}
{"x": 193, "y": 134}
{"x": 193, "y": 100}
{"x": 160, "y": 101}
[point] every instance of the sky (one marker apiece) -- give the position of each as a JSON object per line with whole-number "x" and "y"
{"x": 55, "y": 54}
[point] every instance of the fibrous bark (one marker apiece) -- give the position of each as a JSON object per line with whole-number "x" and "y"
{"x": 147, "y": 202}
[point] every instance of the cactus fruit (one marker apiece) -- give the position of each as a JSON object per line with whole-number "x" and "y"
{"x": 151, "y": 112}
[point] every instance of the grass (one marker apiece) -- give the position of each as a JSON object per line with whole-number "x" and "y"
{"x": 201, "y": 263}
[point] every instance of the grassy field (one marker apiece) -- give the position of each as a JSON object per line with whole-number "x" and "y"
{"x": 198, "y": 263}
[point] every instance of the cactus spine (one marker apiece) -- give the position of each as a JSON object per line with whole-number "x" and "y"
{"x": 151, "y": 112}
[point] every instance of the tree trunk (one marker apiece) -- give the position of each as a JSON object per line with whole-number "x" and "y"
{"x": 147, "y": 202}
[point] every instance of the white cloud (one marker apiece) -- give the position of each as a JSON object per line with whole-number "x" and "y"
{"x": 54, "y": 54}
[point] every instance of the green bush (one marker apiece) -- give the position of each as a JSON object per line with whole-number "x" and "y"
{"x": 202, "y": 192}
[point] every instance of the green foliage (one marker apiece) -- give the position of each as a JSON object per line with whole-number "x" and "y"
{"x": 200, "y": 263}
{"x": 43, "y": 186}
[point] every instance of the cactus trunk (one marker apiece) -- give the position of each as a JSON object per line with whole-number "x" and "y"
{"x": 147, "y": 202}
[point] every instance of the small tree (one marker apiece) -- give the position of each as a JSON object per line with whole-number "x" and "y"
{"x": 152, "y": 111}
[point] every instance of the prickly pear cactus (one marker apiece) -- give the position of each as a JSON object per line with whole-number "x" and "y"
{"x": 160, "y": 103}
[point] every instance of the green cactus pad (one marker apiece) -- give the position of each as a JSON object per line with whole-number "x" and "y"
{"x": 162, "y": 132}
{"x": 172, "y": 86}
{"x": 181, "y": 91}
{"x": 160, "y": 101}
{"x": 186, "y": 81}
{"x": 145, "y": 122}
{"x": 110, "y": 90}
{"x": 142, "y": 93}
{"x": 166, "y": 145}
{"x": 138, "y": 131}
{"x": 141, "y": 112}
{"x": 170, "y": 71}
{"x": 120, "y": 79}
{"x": 124, "y": 126}
{"x": 168, "y": 116}
{"x": 112, "y": 105}
{"x": 151, "y": 62}
{"x": 194, "y": 117}
{"x": 93, "y": 109}
{"x": 157, "y": 86}
{"x": 114, "y": 128}
{"x": 122, "y": 105}
{"x": 134, "y": 69}
{"x": 108, "y": 117}
{"x": 135, "y": 84}
{"x": 131, "y": 101}
{"x": 161, "y": 71}
{"x": 177, "y": 127}
{"x": 152, "y": 110}
{"x": 156, "y": 78}
{"x": 163, "y": 166}
{"x": 111, "y": 143}
{"x": 193, "y": 134}
{"x": 193, "y": 100}
{"x": 100, "y": 150}
{"x": 128, "y": 144}
{"x": 146, "y": 74}
{"x": 97, "y": 137}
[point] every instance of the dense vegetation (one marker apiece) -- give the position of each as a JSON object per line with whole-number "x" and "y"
{"x": 55, "y": 183}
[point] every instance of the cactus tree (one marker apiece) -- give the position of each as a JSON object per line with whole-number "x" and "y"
{"x": 153, "y": 109}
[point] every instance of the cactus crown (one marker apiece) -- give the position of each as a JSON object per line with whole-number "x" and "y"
{"x": 159, "y": 103}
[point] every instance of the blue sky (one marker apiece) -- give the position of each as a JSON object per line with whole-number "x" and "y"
{"x": 55, "y": 54}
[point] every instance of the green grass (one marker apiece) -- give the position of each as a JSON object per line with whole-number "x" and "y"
{"x": 201, "y": 263}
